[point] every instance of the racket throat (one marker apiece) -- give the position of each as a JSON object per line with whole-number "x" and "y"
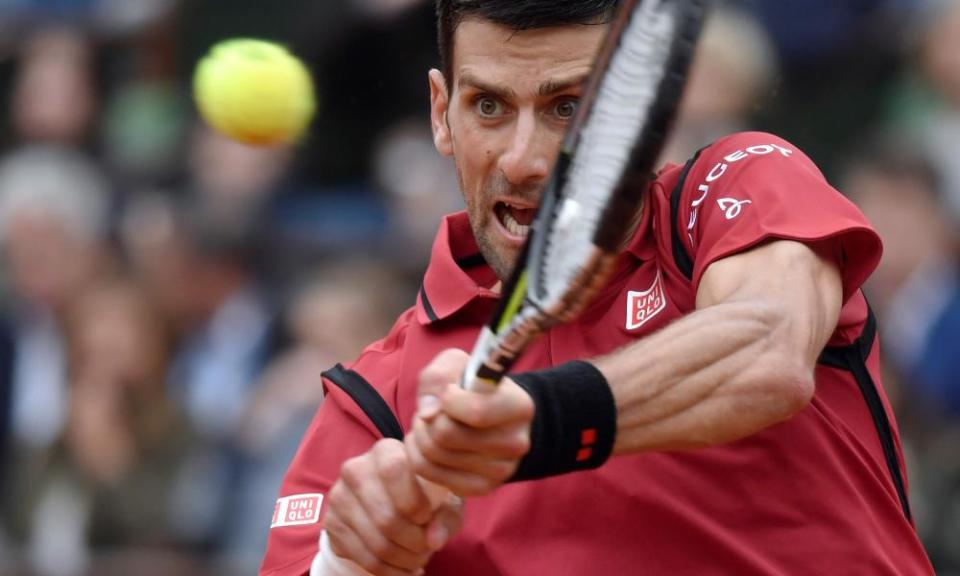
{"x": 479, "y": 376}
{"x": 493, "y": 356}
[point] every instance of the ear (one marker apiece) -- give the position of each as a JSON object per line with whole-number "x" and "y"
{"x": 439, "y": 105}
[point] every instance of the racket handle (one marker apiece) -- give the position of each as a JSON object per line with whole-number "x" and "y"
{"x": 482, "y": 385}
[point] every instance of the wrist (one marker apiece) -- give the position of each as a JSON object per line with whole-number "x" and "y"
{"x": 575, "y": 420}
{"x": 328, "y": 563}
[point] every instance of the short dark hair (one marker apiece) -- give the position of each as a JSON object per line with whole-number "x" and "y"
{"x": 514, "y": 14}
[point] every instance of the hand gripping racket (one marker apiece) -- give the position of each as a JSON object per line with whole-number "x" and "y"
{"x": 605, "y": 164}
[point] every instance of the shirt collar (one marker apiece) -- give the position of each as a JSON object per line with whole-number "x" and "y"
{"x": 450, "y": 282}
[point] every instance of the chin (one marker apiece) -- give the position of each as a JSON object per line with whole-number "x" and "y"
{"x": 500, "y": 258}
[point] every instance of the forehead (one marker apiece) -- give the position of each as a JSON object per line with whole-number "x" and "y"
{"x": 517, "y": 58}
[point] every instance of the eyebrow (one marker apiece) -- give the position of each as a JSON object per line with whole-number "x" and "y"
{"x": 470, "y": 80}
{"x": 556, "y": 86}
{"x": 546, "y": 89}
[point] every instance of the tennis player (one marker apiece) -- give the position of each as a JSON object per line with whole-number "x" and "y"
{"x": 717, "y": 410}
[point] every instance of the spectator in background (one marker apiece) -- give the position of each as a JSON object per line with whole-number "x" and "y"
{"x": 53, "y": 221}
{"x": 733, "y": 69}
{"x": 836, "y": 60}
{"x": 54, "y": 93}
{"x": 917, "y": 292}
{"x": 936, "y": 112}
{"x": 378, "y": 49}
{"x": 106, "y": 483}
{"x": 123, "y": 432}
{"x": 113, "y": 17}
{"x": 234, "y": 180}
{"x": 417, "y": 183}
{"x": 239, "y": 183}
{"x": 928, "y": 109}
{"x": 812, "y": 31}
{"x": 900, "y": 192}
{"x": 145, "y": 118}
{"x": 200, "y": 265}
{"x": 199, "y": 255}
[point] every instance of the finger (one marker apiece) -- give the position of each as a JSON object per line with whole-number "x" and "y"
{"x": 446, "y": 369}
{"x": 446, "y": 524}
{"x": 461, "y": 483}
{"x": 397, "y": 502}
{"x": 508, "y": 442}
{"x": 406, "y": 494}
{"x": 373, "y": 478}
{"x": 437, "y": 493}
{"x": 509, "y": 403}
{"x": 485, "y": 463}
{"x": 354, "y": 512}
{"x": 346, "y": 543}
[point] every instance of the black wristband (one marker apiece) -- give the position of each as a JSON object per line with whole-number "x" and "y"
{"x": 575, "y": 422}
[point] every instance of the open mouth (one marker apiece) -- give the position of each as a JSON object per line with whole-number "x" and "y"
{"x": 515, "y": 219}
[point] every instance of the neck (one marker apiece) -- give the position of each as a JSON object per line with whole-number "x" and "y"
{"x": 632, "y": 228}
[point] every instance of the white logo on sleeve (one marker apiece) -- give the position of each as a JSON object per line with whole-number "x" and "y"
{"x": 642, "y": 306}
{"x": 297, "y": 510}
{"x": 731, "y": 207}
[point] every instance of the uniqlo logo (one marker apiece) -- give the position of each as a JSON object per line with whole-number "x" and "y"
{"x": 297, "y": 510}
{"x": 642, "y": 306}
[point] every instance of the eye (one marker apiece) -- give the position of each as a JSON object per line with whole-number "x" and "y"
{"x": 488, "y": 106}
{"x": 566, "y": 108}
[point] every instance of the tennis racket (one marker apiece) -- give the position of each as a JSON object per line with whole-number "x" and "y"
{"x": 605, "y": 164}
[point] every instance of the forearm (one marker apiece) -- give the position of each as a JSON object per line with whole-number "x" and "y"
{"x": 717, "y": 375}
{"x": 744, "y": 360}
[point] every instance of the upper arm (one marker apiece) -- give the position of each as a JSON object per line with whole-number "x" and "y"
{"x": 799, "y": 284}
{"x": 751, "y": 189}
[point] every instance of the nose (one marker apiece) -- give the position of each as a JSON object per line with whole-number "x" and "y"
{"x": 528, "y": 155}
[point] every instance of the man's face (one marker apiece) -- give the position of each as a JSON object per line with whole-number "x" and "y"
{"x": 503, "y": 116}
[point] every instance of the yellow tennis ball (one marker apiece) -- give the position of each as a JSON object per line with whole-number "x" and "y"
{"x": 254, "y": 91}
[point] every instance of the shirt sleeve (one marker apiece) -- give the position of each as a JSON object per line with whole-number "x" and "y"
{"x": 754, "y": 187}
{"x": 333, "y": 437}
{"x": 339, "y": 431}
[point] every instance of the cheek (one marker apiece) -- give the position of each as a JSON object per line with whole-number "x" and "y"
{"x": 471, "y": 141}
{"x": 475, "y": 153}
{"x": 475, "y": 164}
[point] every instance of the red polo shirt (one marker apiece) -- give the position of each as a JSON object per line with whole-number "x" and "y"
{"x": 815, "y": 495}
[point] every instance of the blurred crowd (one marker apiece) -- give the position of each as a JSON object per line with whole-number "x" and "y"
{"x": 168, "y": 297}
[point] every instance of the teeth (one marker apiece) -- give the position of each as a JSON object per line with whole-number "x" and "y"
{"x": 513, "y": 226}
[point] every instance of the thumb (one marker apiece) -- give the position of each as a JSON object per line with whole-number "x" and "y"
{"x": 444, "y": 370}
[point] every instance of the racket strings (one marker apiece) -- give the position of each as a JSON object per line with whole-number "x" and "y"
{"x": 616, "y": 120}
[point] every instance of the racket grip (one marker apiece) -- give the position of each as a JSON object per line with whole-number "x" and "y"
{"x": 483, "y": 385}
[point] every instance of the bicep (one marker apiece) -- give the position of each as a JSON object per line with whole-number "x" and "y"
{"x": 801, "y": 283}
